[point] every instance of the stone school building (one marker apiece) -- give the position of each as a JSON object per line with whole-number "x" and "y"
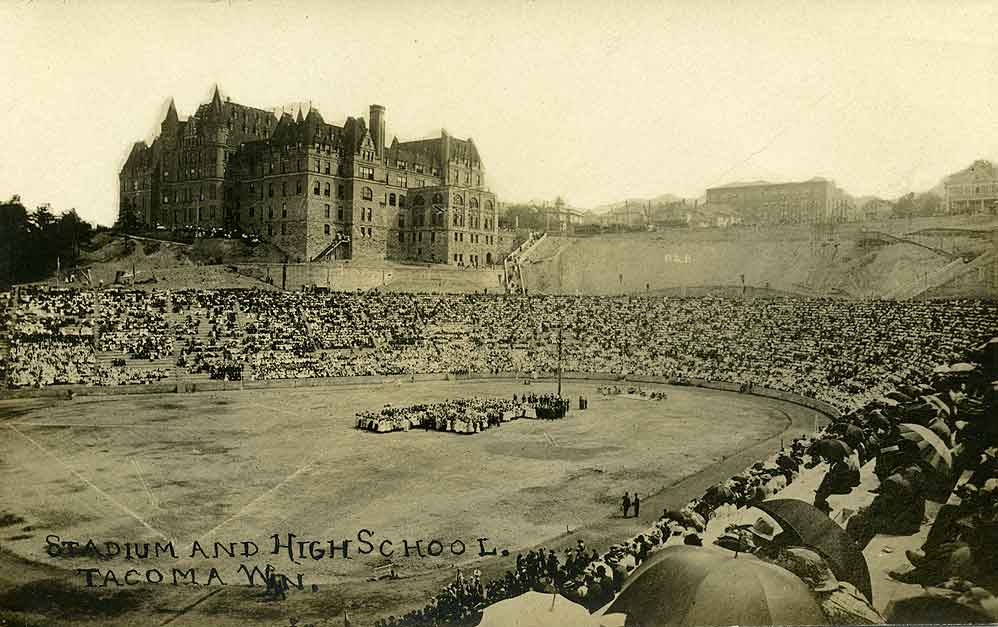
{"x": 316, "y": 190}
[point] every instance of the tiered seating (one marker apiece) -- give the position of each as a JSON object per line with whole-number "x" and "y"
{"x": 6, "y": 299}
{"x": 135, "y": 343}
{"x": 952, "y": 549}
{"x": 210, "y": 327}
{"x": 841, "y": 352}
{"x": 51, "y": 337}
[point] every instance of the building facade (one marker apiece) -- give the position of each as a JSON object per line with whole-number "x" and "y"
{"x": 316, "y": 190}
{"x": 806, "y": 202}
{"x": 973, "y": 189}
{"x": 559, "y": 217}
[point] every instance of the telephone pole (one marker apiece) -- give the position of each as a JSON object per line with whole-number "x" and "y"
{"x": 560, "y": 327}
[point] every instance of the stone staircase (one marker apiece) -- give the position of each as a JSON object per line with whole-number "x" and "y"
{"x": 202, "y": 337}
{"x": 513, "y": 279}
{"x": 947, "y": 273}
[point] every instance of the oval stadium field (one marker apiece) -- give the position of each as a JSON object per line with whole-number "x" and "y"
{"x": 234, "y": 466}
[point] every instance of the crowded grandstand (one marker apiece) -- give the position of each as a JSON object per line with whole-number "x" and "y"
{"x": 841, "y": 352}
{"x": 910, "y": 451}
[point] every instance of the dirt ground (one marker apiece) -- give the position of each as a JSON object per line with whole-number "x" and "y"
{"x": 241, "y": 466}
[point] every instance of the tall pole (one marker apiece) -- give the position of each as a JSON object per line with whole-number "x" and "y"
{"x": 560, "y": 327}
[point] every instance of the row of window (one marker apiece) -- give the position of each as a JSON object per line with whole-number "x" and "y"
{"x": 473, "y": 238}
{"x": 261, "y": 168}
{"x": 326, "y": 230}
{"x": 966, "y": 190}
{"x": 317, "y": 190}
{"x": 417, "y": 236}
{"x": 190, "y": 214}
{"x": 416, "y": 167}
{"x": 327, "y": 213}
{"x": 324, "y": 189}
{"x": 187, "y": 194}
{"x": 438, "y": 199}
{"x": 455, "y": 177}
{"x": 325, "y": 167}
{"x": 475, "y": 221}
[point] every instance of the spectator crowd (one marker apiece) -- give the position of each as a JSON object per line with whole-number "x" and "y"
{"x": 915, "y": 389}
{"x": 842, "y": 352}
{"x": 955, "y": 564}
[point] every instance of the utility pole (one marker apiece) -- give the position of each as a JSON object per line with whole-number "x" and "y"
{"x": 560, "y": 328}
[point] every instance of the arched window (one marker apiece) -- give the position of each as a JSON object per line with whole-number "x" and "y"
{"x": 458, "y": 200}
{"x": 474, "y": 203}
{"x": 367, "y": 194}
{"x": 489, "y": 205}
{"x": 437, "y": 199}
{"x": 418, "y": 201}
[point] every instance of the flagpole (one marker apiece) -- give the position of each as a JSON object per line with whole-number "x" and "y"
{"x": 560, "y": 327}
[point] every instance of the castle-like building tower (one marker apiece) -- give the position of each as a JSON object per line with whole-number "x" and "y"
{"x": 316, "y": 190}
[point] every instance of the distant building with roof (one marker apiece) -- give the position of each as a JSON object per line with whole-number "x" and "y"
{"x": 973, "y": 189}
{"x": 559, "y": 217}
{"x": 316, "y": 190}
{"x": 817, "y": 200}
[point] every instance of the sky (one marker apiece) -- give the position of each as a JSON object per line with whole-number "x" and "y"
{"x": 591, "y": 100}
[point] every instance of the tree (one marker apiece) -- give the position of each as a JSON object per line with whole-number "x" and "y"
{"x": 15, "y": 233}
{"x": 31, "y": 243}
{"x": 42, "y": 218}
{"x": 905, "y": 206}
{"x": 928, "y": 204}
{"x": 522, "y": 216}
{"x": 128, "y": 221}
{"x": 70, "y": 231}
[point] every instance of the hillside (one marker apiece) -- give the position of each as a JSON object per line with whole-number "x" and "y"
{"x": 855, "y": 261}
{"x": 162, "y": 262}
{"x": 660, "y": 199}
{"x": 224, "y": 263}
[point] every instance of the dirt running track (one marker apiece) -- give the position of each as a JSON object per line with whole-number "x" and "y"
{"x": 244, "y": 465}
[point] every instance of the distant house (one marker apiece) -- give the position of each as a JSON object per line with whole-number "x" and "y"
{"x": 973, "y": 189}
{"x": 559, "y": 217}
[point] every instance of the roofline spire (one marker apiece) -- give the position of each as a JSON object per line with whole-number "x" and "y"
{"x": 171, "y": 112}
{"x": 216, "y": 98}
